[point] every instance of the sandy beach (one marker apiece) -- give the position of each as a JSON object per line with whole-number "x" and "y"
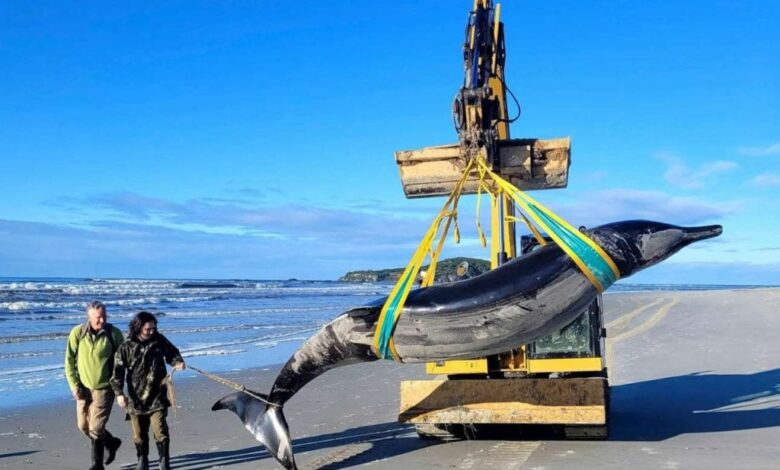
{"x": 695, "y": 383}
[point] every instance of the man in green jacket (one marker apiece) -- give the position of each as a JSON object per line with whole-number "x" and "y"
{"x": 89, "y": 362}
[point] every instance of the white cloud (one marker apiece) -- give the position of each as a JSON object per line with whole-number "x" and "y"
{"x": 595, "y": 176}
{"x": 111, "y": 249}
{"x": 155, "y": 237}
{"x": 622, "y": 204}
{"x": 290, "y": 221}
{"x": 679, "y": 174}
{"x": 773, "y": 149}
{"x": 766, "y": 180}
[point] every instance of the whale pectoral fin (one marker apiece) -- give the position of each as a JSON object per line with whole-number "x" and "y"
{"x": 266, "y": 423}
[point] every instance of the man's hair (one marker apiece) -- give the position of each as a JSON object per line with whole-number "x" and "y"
{"x": 138, "y": 321}
{"x": 96, "y": 305}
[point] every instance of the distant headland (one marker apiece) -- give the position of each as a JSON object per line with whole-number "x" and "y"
{"x": 447, "y": 270}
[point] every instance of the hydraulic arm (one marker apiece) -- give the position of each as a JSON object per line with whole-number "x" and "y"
{"x": 521, "y": 389}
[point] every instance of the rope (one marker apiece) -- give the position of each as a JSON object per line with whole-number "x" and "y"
{"x": 170, "y": 391}
{"x": 229, "y": 383}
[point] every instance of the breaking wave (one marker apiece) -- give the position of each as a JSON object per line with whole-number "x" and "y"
{"x": 21, "y": 305}
{"x": 27, "y": 354}
{"x": 213, "y": 352}
{"x": 219, "y": 322}
{"x": 208, "y": 285}
{"x": 27, "y": 370}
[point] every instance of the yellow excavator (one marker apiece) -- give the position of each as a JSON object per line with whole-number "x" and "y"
{"x": 560, "y": 380}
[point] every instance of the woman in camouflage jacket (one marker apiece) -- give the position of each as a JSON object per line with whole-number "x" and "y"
{"x": 140, "y": 363}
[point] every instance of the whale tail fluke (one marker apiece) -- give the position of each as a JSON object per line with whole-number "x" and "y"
{"x": 265, "y": 422}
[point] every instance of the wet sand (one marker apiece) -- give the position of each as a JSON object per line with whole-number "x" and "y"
{"x": 695, "y": 376}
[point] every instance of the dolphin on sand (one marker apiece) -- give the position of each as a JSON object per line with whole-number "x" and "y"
{"x": 525, "y": 299}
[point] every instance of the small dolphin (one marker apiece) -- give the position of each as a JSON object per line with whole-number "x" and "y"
{"x": 523, "y": 300}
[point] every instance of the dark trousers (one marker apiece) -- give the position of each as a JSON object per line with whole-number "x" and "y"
{"x": 141, "y": 424}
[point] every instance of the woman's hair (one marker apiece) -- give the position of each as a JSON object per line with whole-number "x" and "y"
{"x": 138, "y": 321}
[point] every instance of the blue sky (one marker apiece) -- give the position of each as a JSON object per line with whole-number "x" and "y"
{"x": 255, "y": 139}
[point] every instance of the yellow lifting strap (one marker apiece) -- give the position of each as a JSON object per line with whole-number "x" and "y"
{"x": 383, "y": 335}
{"x": 591, "y": 259}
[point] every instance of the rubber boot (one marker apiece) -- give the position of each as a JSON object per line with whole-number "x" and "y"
{"x": 112, "y": 445}
{"x": 142, "y": 451}
{"x": 97, "y": 454}
{"x": 163, "y": 450}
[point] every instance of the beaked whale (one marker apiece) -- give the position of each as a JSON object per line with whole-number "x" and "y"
{"x": 523, "y": 300}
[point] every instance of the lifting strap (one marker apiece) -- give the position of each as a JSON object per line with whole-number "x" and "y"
{"x": 590, "y": 258}
{"x": 383, "y": 334}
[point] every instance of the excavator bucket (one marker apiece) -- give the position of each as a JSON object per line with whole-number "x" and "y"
{"x": 527, "y": 163}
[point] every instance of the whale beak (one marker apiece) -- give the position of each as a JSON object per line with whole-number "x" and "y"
{"x": 694, "y": 234}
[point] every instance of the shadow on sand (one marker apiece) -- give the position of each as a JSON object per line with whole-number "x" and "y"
{"x": 653, "y": 410}
{"x": 659, "y": 409}
{"x": 18, "y": 454}
{"x": 365, "y": 444}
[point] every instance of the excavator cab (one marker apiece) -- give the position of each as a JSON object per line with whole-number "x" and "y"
{"x": 560, "y": 379}
{"x": 577, "y": 348}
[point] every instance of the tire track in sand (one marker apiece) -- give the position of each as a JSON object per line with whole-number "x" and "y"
{"x": 504, "y": 455}
{"x": 626, "y": 318}
{"x": 654, "y": 319}
{"x": 511, "y": 455}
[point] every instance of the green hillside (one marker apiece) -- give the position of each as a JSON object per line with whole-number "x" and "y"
{"x": 446, "y": 271}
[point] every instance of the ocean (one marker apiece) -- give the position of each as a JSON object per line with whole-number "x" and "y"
{"x": 219, "y": 325}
